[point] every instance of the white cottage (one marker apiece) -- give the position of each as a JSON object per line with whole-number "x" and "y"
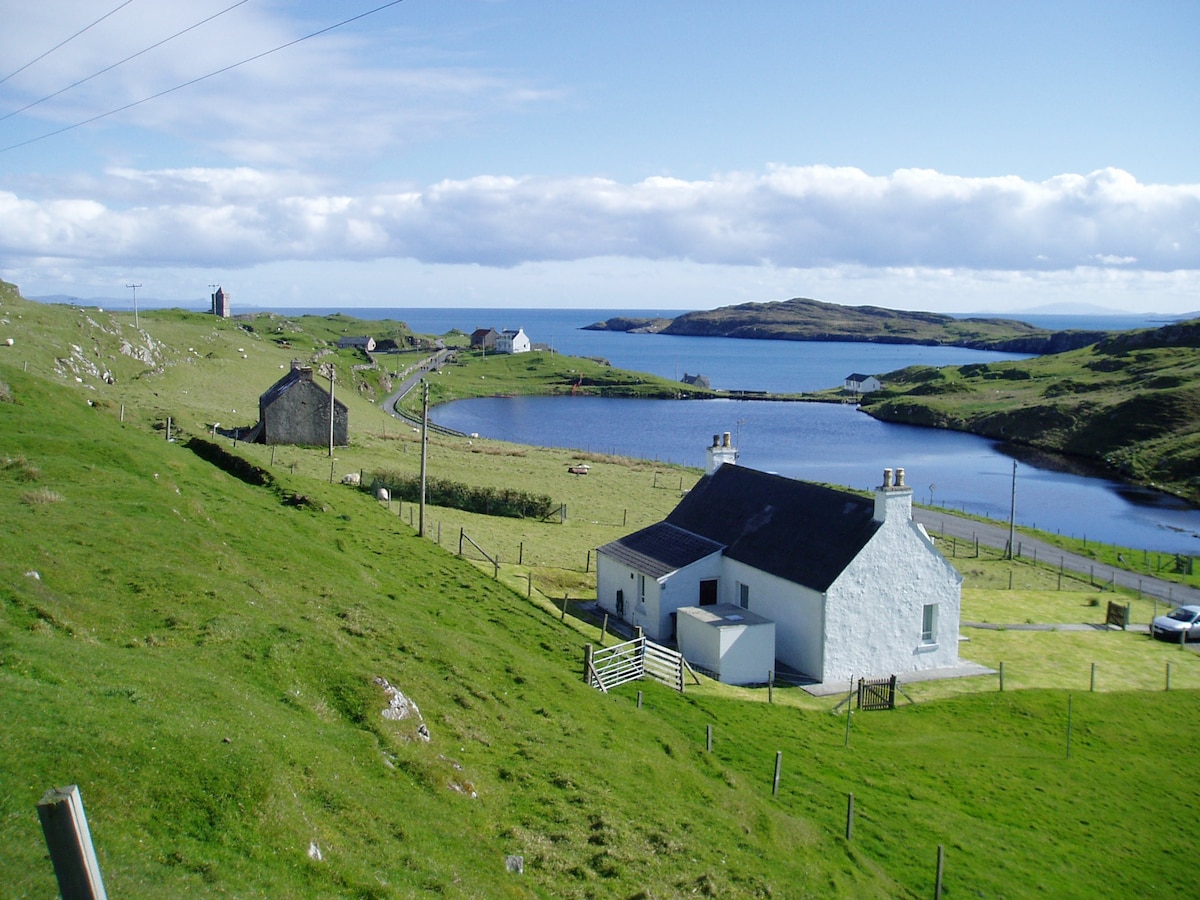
{"x": 512, "y": 341}
{"x": 857, "y": 383}
{"x": 853, "y": 586}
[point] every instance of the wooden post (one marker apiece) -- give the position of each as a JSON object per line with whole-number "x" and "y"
{"x": 941, "y": 870}
{"x": 69, "y": 841}
{"x": 850, "y": 817}
{"x": 521, "y": 554}
{"x": 563, "y": 617}
{"x": 604, "y": 629}
{"x": 1010, "y": 579}
{"x": 528, "y": 585}
{"x": 332, "y": 463}
{"x": 639, "y": 706}
{"x": 1092, "y": 685}
{"x": 587, "y": 567}
{"x": 168, "y": 429}
{"x": 778, "y": 768}
{"x": 587, "y": 663}
{"x": 1168, "y": 687}
{"x": 624, "y": 517}
{"x": 272, "y": 454}
{"x": 460, "y": 540}
{"x": 1002, "y": 678}
{"x": 770, "y": 686}
{"x": 708, "y": 738}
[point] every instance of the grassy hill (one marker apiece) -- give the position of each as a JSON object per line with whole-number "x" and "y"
{"x": 1129, "y": 403}
{"x": 201, "y": 655}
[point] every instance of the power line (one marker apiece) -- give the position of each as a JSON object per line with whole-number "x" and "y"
{"x": 63, "y": 43}
{"x": 222, "y": 70}
{"x": 122, "y": 62}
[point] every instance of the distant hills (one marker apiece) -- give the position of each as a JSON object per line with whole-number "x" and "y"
{"x": 803, "y": 319}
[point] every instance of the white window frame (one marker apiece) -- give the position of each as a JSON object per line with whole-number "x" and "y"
{"x": 929, "y": 623}
{"x": 743, "y": 595}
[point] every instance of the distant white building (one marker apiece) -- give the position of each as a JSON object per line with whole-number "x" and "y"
{"x": 853, "y": 587}
{"x": 512, "y": 341}
{"x": 858, "y": 383}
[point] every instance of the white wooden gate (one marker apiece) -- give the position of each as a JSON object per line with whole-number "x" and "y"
{"x": 640, "y": 658}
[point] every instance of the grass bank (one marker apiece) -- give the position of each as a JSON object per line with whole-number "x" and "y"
{"x": 201, "y": 656}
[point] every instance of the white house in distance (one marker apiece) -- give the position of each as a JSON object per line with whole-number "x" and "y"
{"x": 857, "y": 383}
{"x": 852, "y": 586}
{"x": 512, "y": 341}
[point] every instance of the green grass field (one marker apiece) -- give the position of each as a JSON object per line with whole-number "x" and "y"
{"x": 200, "y": 656}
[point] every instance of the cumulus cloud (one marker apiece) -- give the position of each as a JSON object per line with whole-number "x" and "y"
{"x": 792, "y": 217}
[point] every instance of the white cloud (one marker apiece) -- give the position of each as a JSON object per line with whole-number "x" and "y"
{"x": 789, "y": 217}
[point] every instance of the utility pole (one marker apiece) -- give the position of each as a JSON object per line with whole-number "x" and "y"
{"x": 424, "y": 452}
{"x": 135, "y": 313}
{"x": 1012, "y": 516}
{"x": 331, "y": 410}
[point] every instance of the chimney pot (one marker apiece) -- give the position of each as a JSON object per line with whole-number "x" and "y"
{"x": 887, "y": 477}
{"x": 716, "y": 440}
{"x": 899, "y": 478}
{"x": 726, "y": 439}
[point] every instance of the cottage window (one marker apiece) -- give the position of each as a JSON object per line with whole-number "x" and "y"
{"x": 743, "y": 595}
{"x": 929, "y": 623}
{"x": 641, "y": 589}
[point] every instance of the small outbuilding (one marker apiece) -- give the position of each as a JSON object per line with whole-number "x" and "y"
{"x": 727, "y": 641}
{"x": 365, "y": 343}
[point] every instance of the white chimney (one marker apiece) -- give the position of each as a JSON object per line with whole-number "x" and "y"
{"x": 893, "y": 498}
{"x": 722, "y": 451}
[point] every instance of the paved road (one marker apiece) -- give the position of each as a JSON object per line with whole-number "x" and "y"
{"x": 413, "y": 377}
{"x": 941, "y": 522}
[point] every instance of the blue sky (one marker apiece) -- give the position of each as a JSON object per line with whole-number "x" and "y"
{"x": 979, "y": 157}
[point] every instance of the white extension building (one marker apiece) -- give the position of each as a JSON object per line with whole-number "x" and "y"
{"x": 853, "y": 586}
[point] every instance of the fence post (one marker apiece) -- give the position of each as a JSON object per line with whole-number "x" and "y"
{"x": 850, "y": 817}
{"x": 639, "y": 706}
{"x": 770, "y": 686}
{"x": 528, "y": 585}
{"x": 1168, "y": 687}
{"x": 778, "y": 767}
{"x": 69, "y": 841}
{"x": 1092, "y": 685}
{"x": 1069, "y": 698}
{"x": 604, "y": 630}
{"x": 941, "y": 870}
{"x": 1002, "y": 678}
{"x": 708, "y": 738}
{"x": 460, "y": 540}
{"x": 563, "y": 617}
{"x": 521, "y": 555}
{"x": 587, "y": 663}
{"x": 587, "y": 567}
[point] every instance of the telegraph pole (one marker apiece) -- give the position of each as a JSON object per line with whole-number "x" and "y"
{"x": 1012, "y": 516}
{"x": 135, "y": 313}
{"x": 424, "y": 452}
{"x": 331, "y": 410}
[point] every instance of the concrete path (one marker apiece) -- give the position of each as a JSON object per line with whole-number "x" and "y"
{"x": 412, "y": 377}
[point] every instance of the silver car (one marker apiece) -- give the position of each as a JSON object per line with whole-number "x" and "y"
{"x": 1185, "y": 620}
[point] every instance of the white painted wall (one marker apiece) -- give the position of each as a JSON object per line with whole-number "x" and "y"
{"x": 741, "y": 653}
{"x": 874, "y": 609}
{"x": 798, "y": 614}
{"x": 663, "y": 597}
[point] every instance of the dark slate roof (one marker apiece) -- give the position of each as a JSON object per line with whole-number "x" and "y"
{"x": 796, "y": 530}
{"x": 660, "y": 549}
{"x": 857, "y": 376}
{"x": 291, "y": 379}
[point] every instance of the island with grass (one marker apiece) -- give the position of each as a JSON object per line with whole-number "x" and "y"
{"x": 803, "y": 319}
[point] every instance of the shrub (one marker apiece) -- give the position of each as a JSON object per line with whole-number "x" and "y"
{"x": 454, "y": 494}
